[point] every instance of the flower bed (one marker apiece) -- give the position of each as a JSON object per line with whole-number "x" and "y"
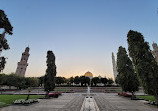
{"x": 55, "y": 95}
{"x": 25, "y": 102}
{"x": 124, "y": 94}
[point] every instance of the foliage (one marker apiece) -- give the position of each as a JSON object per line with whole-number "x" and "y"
{"x": 104, "y": 81}
{"x": 3, "y": 42}
{"x": 2, "y": 63}
{"x": 4, "y": 23}
{"x": 31, "y": 82}
{"x": 12, "y": 80}
{"x": 41, "y": 80}
{"x": 49, "y": 79}
{"x": 110, "y": 81}
{"x": 59, "y": 80}
{"x": 144, "y": 62}
{"x": 84, "y": 80}
{"x": 77, "y": 80}
{"x": 71, "y": 80}
{"x": 3, "y": 79}
{"x": 21, "y": 82}
{"x": 95, "y": 80}
{"x": 17, "y": 81}
{"x": 126, "y": 78}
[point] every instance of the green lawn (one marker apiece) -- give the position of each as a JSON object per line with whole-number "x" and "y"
{"x": 113, "y": 90}
{"x": 9, "y": 99}
{"x": 62, "y": 89}
{"x": 146, "y": 97}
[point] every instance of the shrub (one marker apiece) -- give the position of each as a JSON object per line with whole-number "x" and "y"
{"x": 124, "y": 94}
{"x": 25, "y": 102}
{"x": 55, "y": 95}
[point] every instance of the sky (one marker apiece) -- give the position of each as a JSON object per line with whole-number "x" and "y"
{"x": 81, "y": 33}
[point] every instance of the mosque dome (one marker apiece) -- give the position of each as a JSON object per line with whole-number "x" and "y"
{"x": 88, "y": 74}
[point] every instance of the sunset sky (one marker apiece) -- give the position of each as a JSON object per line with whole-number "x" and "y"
{"x": 81, "y": 33}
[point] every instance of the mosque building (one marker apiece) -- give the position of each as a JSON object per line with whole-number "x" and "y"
{"x": 88, "y": 74}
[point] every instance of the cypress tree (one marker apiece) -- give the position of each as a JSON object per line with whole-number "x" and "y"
{"x": 144, "y": 62}
{"x": 126, "y": 78}
{"x": 49, "y": 78}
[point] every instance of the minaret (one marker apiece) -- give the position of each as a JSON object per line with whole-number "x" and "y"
{"x": 114, "y": 66}
{"x": 155, "y": 51}
{"x": 22, "y": 65}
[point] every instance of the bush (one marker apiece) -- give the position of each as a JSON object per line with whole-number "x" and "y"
{"x": 124, "y": 94}
{"x": 25, "y": 102}
{"x": 54, "y": 95}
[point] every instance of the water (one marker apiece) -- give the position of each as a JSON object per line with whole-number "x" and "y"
{"x": 88, "y": 91}
{"x": 89, "y": 103}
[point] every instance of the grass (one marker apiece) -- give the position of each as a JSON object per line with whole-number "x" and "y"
{"x": 113, "y": 90}
{"x": 62, "y": 89}
{"x": 9, "y": 99}
{"x": 146, "y": 97}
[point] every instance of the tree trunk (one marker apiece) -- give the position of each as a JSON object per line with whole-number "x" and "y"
{"x": 28, "y": 96}
{"x": 47, "y": 94}
{"x": 133, "y": 96}
{"x": 156, "y": 98}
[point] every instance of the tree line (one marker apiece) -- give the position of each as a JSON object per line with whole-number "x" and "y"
{"x": 17, "y": 81}
{"x": 79, "y": 81}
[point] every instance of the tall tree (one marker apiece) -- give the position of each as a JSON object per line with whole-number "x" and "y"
{"x": 95, "y": 80}
{"x": 84, "y": 80}
{"x": 77, "y": 80}
{"x": 71, "y": 79}
{"x": 144, "y": 62}
{"x": 49, "y": 79}
{"x": 104, "y": 81}
{"x": 41, "y": 81}
{"x": 6, "y": 26}
{"x": 126, "y": 78}
{"x": 110, "y": 81}
{"x": 12, "y": 80}
{"x": 59, "y": 80}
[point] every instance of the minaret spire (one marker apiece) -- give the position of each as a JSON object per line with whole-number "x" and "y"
{"x": 22, "y": 65}
{"x": 114, "y": 66}
{"x": 155, "y": 51}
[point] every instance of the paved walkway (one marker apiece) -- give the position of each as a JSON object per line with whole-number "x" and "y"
{"x": 74, "y": 101}
{"x": 113, "y": 102}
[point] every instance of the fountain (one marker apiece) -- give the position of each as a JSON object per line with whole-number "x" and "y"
{"x": 89, "y": 103}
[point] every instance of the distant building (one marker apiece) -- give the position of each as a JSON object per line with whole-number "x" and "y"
{"x": 99, "y": 77}
{"x": 22, "y": 65}
{"x": 155, "y": 51}
{"x": 114, "y": 67}
{"x": 88, "y": 74}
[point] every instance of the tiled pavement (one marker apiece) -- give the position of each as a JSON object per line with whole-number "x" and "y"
{"x": 113, "y": 102}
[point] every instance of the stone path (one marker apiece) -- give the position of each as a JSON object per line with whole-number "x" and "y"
{"x": 113, "y": 102}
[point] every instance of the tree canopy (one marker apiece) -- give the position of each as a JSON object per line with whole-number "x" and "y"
{"x": 5, "y": 23}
